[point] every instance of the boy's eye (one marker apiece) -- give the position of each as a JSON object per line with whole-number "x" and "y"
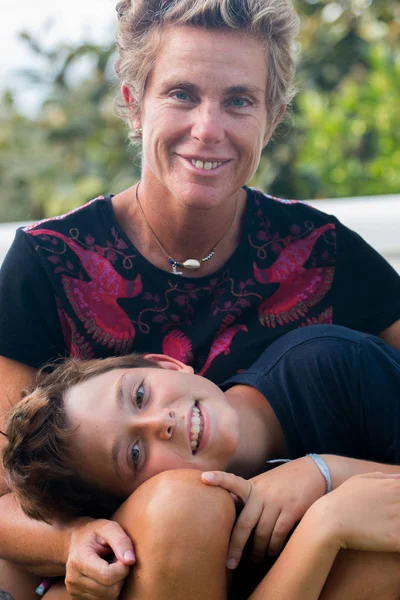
{"x": 135, "y": 454}
{"x": 140, "y": 396}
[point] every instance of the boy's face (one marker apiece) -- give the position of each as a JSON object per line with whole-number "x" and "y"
{"x": 135, "y": 423}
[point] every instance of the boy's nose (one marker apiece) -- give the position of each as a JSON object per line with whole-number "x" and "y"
{"x": 161, "y": 423}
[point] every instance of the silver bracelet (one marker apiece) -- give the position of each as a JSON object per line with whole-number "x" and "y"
{"x": 323, "y": 467}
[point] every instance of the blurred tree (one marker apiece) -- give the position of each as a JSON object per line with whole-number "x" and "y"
{"x": 75, "y": 148}
{"x": 343, "y": 139}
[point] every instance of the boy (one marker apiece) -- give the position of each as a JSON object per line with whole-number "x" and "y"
{"x": 101, "y": 428}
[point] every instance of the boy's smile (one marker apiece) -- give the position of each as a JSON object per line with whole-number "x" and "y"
{"x": 135, "y": 423}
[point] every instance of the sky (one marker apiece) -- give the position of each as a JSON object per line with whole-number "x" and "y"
{"x": 67, "y": 21}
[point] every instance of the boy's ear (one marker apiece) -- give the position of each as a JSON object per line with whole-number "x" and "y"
{"x": 167, "y": 362}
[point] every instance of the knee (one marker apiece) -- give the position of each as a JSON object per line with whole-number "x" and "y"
{"x": 176, "y": 506}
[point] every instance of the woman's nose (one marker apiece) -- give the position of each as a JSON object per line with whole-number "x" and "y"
{"x": 161, "y": 424}
{"x": 208, "y": 124}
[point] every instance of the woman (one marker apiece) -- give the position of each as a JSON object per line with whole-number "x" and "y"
{"x": 188, "y": 262}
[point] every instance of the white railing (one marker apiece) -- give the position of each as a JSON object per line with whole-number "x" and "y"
{"x": 375, "y": 218}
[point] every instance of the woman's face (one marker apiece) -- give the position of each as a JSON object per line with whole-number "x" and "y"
{"x": 204, "y": 114}
{"x": 135, "y": 423}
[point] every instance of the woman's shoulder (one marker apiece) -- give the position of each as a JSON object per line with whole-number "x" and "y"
{"x": 273, "y": 204}
{"x": 89, "y": 212}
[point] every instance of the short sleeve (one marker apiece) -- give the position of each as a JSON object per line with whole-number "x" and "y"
{"x": 30, "y": 331}
{"x": 379, "y": 384}
{"x": 367, "y": 288}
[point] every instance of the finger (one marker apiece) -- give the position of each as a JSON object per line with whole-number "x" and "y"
{"x": 284, "y": 524}
{"x": 263, "y": 532}
{"x": 88, "y": 589}
{"x": 100, "y": 571}
{"x": 245, "y": 524}
{"x": 119, "y": 542}
{"x": 232, "y": 483}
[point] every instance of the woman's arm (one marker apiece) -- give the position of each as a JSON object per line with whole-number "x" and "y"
{"x": 363, "y": 514}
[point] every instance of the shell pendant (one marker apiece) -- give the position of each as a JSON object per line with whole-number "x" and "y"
{"x": 191, "y": 263}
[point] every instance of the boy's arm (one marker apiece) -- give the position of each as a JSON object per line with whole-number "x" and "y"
{"x": 275, "y": 501}
{"x": 342, "y": 468}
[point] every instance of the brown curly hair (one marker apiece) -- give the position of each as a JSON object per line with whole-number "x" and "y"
{"x": 141, "y": 22}
{"x": 40, "y": 469}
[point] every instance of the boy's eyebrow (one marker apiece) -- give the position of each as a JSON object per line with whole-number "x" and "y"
{"x": 116, "y": 445}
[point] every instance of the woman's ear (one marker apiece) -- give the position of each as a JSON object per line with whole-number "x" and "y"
{"x": 167, "y": 362}
{"x": 275, "y": 123}
{"x": 130, "y": 102}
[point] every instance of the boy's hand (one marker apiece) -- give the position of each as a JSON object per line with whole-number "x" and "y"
{"x": 273, "y": 503}
{"x": 100, "y": 555}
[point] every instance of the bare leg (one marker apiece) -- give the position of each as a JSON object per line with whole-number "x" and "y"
{"x": 180, "y": 529}
{"x": 358, "y": 575}
{"x": 17, "y": 582}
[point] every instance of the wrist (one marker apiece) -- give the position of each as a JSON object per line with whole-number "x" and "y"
{"x": 321, "y": 520}
{"x": 67, "y": 532}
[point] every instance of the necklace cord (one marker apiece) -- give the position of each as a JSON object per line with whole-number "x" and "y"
{"x": 189, "y": 263}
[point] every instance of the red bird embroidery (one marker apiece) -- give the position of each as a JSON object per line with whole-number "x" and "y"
{"x": 178, "y": 345}
{"x": 95, "y": 301}
{"x": 299, "y": 288}
{"x": 221, "y": 345}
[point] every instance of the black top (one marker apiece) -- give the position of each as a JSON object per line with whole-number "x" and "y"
{"x": 76, "y": 285}
{"x": 333, "y": 390}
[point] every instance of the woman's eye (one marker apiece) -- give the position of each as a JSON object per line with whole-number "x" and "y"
{"x": 140, "y": 396}
{"x": 135, "y": 454}
{"x": 182, "y": 96}
{"x": 240, "y": 102}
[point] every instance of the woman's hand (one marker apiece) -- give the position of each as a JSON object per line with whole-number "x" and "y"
{"x": 273, "y": 503}
{"x": 99, "y": 557}
{"x": 361, "y": 514}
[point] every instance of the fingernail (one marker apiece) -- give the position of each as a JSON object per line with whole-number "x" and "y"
{"x": 209, "y": 476}
{"x": 231, "y": 563}
{"x": 128, "y": 555}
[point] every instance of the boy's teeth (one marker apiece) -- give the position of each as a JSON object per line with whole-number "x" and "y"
{"x": 195, "y": 431}
{"x": 207, "y": 166}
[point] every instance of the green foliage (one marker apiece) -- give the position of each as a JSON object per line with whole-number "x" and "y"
{"x": 344, "y": 137}
{"x": 342, "y": 140}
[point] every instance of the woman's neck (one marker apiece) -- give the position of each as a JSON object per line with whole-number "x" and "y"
{"x": 179, "y": 231}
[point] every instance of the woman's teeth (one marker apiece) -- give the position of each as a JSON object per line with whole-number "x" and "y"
{"x": 207, "y": 166}
{"x": 196, "y": 429}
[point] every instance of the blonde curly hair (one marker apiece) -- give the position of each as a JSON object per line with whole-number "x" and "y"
{"x": 141, "y": 22}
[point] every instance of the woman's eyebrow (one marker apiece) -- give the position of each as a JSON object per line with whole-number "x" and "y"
{"x": 233, "y": 89}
